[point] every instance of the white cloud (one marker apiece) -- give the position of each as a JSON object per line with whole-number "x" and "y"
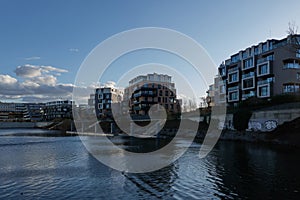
{"x": 45, "y": 80}
{"x": 48, "y": 69}
{"x": 33, "y": 58}
{"x": 7, "y": 80}
{"x": 30, "y": 71}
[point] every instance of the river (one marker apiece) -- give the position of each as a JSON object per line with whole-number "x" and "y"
{"x": 37, "y": 167}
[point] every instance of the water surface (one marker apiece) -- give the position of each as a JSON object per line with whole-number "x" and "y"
{"x": 36, "y": 167}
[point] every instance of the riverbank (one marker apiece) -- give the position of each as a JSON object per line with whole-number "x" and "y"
{"x": 286, "y": 134}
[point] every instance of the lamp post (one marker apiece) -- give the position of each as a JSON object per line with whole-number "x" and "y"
{"x": 208, "y": 101}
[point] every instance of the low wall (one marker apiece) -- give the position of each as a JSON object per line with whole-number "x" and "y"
{"x": 17, "y": 124}
{"x": 266, "y": 120}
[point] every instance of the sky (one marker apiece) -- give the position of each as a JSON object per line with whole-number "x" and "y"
{"x": 44, "y": 43}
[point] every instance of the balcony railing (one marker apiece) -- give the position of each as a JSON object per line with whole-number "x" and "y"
{"x": 263, "y": 82}
{"x": 249, "y": 75}
{"x": 246, "y": 96}
{"x": 261, "y": 60}
{"x": 233, "y": 88}
{"x": 233, "y": 69}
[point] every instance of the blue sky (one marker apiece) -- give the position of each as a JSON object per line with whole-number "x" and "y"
{"x": 60, "y": 34}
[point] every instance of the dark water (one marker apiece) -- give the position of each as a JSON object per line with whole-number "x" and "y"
{"x": 34, "y": 167}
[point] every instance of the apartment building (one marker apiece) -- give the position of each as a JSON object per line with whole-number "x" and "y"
{"x": 21, "y": 111}
{"x": 147, "y": 90}
{"x": 12, "y": 111}
{"x": 263, "y": 70}
{"x": 58, "y": 109}
{"x": 105, "y": 99}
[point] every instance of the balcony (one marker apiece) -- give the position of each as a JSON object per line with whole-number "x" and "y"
{"x": 233, "y": 88}
{"x": 246, "y": 96}
{"x": 266, "y": 81}
{"x": 248, "y": 75}
{"x": 233, "y": 69}
{"x": 266, "y": 59}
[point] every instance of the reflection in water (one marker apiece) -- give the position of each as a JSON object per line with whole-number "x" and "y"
{"x": 60, "y": 168}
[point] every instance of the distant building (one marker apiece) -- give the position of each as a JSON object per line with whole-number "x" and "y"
{"x": 105, "y": 99}
{"x": 35, "y": 111}
{"x": 12, "y": 111}
{"x": 91, "y": 101}
{"x": 264, "y": 70}
{"x": 147, "y": 90}
{"x": 58, "y": 109}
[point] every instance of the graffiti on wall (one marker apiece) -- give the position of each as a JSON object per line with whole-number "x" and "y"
{"x": 263, "y": 124}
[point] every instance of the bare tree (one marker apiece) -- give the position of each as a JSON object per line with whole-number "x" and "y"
{"x": 292, "y": 28}
{"x": 293, "y": 38}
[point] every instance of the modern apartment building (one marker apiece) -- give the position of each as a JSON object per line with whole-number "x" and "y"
{"x": 264, "y": 70}
{"x": 105, "y": 99}
{"x": 58, "y": 109}
{"x": 12, "y": 111}
{"x": 147, "y": 90}
{"x": 22, "y": 111}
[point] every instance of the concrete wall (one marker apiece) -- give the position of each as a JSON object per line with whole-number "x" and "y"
{"x": 261, "y": 120}
{"x": 17, "y": 125}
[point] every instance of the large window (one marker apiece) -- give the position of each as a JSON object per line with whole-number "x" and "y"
{"x": 233, "y": 77}
{"x": 264, "y": 91}
{"x": 291, "y": 88}
{"x": 248, "y": 63}
{"x": 235, "y": 58}
{"x": 263, "y": 69}
{"x": 248, "y": 83}
{"x": 233, "y": 96}
{"x": 291, "y": 65}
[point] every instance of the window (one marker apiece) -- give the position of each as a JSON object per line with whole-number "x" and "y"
{"x": 264, "y": 47}
{"x": 222, "y": 71}
{"x": 235, "y": 58}
{"x": 233, "y": 96}
{"x": 248, "y": 83}
{"x": 291, "y": 88}
{"x": 248, "y": 63}
{"x": 298, "y": 75}
{"x": 256, "y": 51}
{"x": 159, "y": 99}
{"x": 222, "y": 89}
{"x": 244, "y": 54}
{"x": 264, "y": 91}
{"x": 298, "y": 53}
{"x": 271, "y": 45}
{"x": 263, "y": 69}
{"x": 291, "y": 65}
{"x": 166, "y": 93}
{"x": 233, "y": 77}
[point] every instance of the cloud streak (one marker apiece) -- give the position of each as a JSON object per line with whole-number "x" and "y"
{"x": 74, "y": 50}
{"x": 33, "y": 58}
